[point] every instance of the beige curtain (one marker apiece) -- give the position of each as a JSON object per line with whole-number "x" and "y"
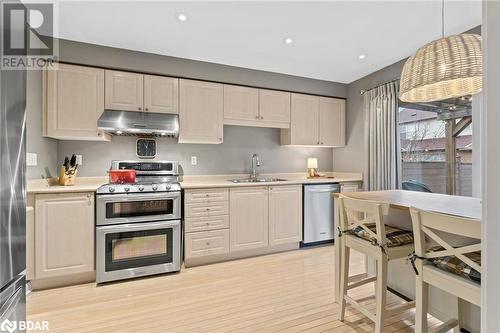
{"x": 381, "y": 112}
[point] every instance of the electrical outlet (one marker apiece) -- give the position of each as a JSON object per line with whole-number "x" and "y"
{"x": 194, "y": 160}
{"x": 79, "y": 159}
{"x": 31, "y": 159}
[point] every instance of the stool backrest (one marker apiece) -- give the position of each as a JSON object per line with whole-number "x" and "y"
{"x": 429, "y": 227}
{"x": 357, "y": 213}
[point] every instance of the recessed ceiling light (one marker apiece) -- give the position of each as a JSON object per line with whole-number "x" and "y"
{"x": 182, "y": 17}
{"x": 362, "y": 56}
{"x": 288, "y": 40}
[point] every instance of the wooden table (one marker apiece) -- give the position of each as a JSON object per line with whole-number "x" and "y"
{"x": 400, "y": 202}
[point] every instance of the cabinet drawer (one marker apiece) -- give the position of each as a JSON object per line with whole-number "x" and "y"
{"x": 205, "y": 243}
{"x": 206, "y": 223}
{"x": 206, "y": 195}
{"x": 207, "y": 209}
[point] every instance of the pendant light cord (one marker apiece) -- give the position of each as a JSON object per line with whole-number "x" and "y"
{"x": 442, "y": 18}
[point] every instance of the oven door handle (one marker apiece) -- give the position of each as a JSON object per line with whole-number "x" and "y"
{"x": 139, "y": 226}
{"x": 138, "y": 196}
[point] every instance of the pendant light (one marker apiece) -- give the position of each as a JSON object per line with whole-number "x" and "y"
{"x": 448, "y": 67}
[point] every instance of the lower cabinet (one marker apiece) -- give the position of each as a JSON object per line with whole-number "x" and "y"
{"x": 248, "y": 218}
{"x": 285, "y": 214}
{"x": 241, "y": 221}
{"x": 64, "y": 234}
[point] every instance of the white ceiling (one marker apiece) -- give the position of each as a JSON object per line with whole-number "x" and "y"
{"x": 328, "y": 36}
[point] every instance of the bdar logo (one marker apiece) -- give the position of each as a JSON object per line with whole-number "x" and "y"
{"x": 8, "y": 326}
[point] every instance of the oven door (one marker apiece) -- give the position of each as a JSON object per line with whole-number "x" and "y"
{"x": 138, "y": 207}
{"x": 130, "y": 250}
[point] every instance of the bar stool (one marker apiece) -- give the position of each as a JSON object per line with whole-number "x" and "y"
{"x": 362, "y": 229}
{"x": 456, "y": 270}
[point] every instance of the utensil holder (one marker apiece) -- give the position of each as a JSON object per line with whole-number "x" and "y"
{"x": 67, "y": 177}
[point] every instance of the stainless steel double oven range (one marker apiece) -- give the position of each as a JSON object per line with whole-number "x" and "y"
{"x": 138, "y": 226}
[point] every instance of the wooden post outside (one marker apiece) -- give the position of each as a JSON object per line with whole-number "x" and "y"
{"x": 451, "y": 161}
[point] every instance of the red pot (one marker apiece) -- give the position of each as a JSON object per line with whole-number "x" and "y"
{"x": 122, "y": 176}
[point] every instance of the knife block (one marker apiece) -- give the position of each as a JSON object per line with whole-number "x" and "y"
{"x": 67, "y": 178}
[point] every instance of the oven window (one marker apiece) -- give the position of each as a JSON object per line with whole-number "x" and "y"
{"x": 139, "y": 208}
{"x": 138, "y": 248}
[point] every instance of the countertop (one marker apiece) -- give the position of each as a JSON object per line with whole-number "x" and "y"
{"x": 90, "y": 184}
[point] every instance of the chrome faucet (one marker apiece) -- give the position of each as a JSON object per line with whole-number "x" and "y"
{"x": 255, "y": 165}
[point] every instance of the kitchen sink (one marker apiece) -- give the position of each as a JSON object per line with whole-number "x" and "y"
{"x": 257, "y": 180}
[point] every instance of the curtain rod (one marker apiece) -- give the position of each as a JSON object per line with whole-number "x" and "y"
{"x": 363, "y": 91}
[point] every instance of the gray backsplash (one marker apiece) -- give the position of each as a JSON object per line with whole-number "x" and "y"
{"x": 232, "y": 156}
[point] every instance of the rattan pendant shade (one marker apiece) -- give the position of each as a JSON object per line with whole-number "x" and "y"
{"x": 445, "y": 68}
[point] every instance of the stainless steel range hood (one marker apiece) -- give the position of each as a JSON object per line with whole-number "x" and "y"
{"x": 139, "y": 123}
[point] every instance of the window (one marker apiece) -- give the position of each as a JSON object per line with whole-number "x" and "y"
{"x": 423, "y": 141}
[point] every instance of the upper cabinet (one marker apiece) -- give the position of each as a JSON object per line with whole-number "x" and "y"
{"x": 240, "y": 104}
{"x": 73, "y": 101}
{"x": 274, "y": 106}
{"x": 201, "y": 112}
{"x": 246, "y": 106}
{"x": 124, "y": 91}
{"x": 137, "y": 92}
{"x": 332, "y": 122}
{"x": 315, "y": 121}
{"x": 161, "y": 94}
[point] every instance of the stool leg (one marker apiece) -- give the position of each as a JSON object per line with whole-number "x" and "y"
{"x": 344, "y": 278}
{"x": 458, "y": 316}
{"x": 421, "y": 296}
{"x": 381, "y": 293}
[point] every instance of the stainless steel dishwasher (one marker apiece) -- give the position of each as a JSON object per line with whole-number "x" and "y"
{"x": 319, "y": 226}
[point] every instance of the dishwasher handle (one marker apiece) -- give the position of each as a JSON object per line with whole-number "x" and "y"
{"x": 322, "y": 191}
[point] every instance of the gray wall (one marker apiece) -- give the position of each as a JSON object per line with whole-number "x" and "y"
{"x": 45, "y": 148}
{"x": 232, "y": 156}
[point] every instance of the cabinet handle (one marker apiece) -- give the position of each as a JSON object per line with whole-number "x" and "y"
{"x": 139, "y": 108}
{"x": 207, "y": 195}
{"x": 220, "y": 139}
{"x": 318, "y": 142}
{"x": 322, "y": 143}
{"x": 89, "y": 202}
{"x": 208, "y": 209}
{"x": 146, "y": 109}
{"x": 261, "y": 117}
{"x": 208, "y": 243}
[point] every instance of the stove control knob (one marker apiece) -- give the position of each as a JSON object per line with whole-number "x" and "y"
{"x": 154, "y": 187}
{"x": 141, "y": 188}
{"x": 126, "y": 188}
{"x": 111, "y": 189}
{"x": 168, "y": 186}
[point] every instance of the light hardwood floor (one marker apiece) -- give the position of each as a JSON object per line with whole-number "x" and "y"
{"x": 287, "y": 292}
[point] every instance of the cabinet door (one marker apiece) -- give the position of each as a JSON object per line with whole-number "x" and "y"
{"x": 285, "y": 214}
{"x": 304, "y": 127}
{"x": 240, "y": 103}
{"x": 332, "y": 122}
{"x": 248, "y": 218}
{"x": 73, "y": 101}
{"x": 64, "y": 234}
{"x": 161, "y": 94}
{"x": 274, "y": 106}
{"x": 124, "y": 91}
{"x": 200, "y": 112}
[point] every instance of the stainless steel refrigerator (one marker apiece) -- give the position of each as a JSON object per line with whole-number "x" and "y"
{"x": 12, "y": 196}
